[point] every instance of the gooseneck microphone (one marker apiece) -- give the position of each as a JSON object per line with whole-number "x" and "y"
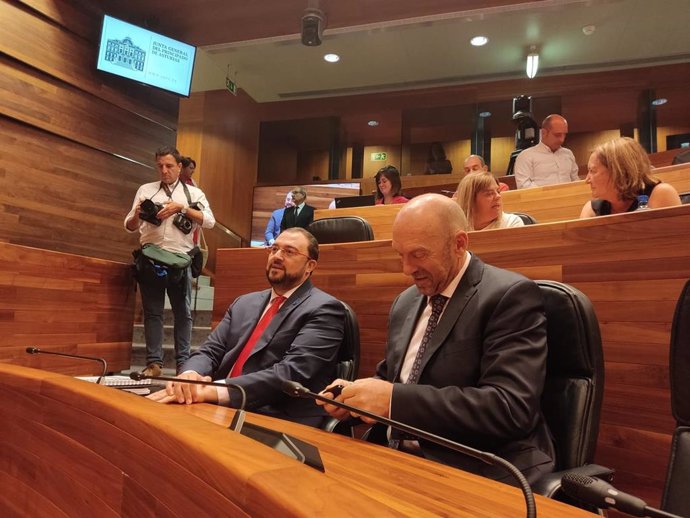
{"x": 138, "y": 376}
{"x": 296, "y": 389}
{"x": 36, "y": 350}
{"x": 601, "y": 494}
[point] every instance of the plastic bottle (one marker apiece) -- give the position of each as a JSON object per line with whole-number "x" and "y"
{"x": 642, "y": 201}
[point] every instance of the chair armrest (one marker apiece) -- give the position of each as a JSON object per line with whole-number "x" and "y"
{"x": 549, "y": 485}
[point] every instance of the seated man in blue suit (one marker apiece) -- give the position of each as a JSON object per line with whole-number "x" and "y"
{"x": 273, "y": 225}
{"x": 466, "y": 351}
{"x": 291, "y": 331}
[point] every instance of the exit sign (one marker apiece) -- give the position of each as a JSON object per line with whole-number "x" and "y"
{"x": 379, "y": 157}
{"x": 231, "y": 86}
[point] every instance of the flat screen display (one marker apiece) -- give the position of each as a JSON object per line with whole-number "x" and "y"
{"x": 141, "y": 55}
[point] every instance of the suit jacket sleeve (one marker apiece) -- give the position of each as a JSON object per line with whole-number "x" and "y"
{"x": 503, "y": 402}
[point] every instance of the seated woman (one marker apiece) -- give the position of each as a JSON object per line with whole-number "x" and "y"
{"x": 618, "y": 172}
{"x": 388, "y": 186}
{"x": 479, "y": 197}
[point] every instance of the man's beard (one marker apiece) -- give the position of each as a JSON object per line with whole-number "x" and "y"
{"x": 282, "y": 279}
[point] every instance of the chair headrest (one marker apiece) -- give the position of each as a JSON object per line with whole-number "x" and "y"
{"x": 341, "y": 230}
{"x": 679, "y": 360}
{"x": 574, "y": 341}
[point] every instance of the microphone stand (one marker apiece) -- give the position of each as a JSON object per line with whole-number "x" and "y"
{"x": 36, "y": 350}
{"x": 295, "y": 389}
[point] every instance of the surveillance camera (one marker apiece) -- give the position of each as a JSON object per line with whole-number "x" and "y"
{"x": 313, "y": 22}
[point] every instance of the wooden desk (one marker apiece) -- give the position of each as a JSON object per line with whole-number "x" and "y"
{"x": 631, "y": 266}
{"x": 547, "y": 204}
{"x": 77, "y": 449}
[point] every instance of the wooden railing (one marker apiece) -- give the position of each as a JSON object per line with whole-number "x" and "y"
{"x": 632, "y": 267}
{"x": 65, "y": 303}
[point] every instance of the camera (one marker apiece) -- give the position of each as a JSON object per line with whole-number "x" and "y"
{"x": 148, "y": 211}
{"x": 182, "y": 222}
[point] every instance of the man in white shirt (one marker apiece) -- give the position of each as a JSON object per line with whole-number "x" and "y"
{"x": 180, "y": 209}
{"x": 548, "y": 162}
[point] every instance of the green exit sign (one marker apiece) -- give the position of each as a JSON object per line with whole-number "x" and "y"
{"x": 379, "y": 157}
{"x": 231, "y": 86}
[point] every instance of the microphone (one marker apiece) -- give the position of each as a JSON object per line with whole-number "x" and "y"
{"x": 36, "y": 350}
{"x": 296, "y": 389}
{"x": 138, "y": 376}
{"x": 603, "y": 495}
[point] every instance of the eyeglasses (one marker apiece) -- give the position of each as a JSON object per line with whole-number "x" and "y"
{"x": 287, "y": 252}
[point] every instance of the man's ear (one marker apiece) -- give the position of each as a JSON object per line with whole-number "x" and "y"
{"x": 461, "y": 242}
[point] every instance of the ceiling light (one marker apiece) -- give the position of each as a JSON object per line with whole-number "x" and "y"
{"x": 659, "y": 101}
{"x": 373, "y": 123}
{"x": 478, "y": 41}
{"x": 532, "y": 62}
{"x": 588, "y": 30}
{"x": 332, "y": 58}
{"x": 484, "y": 115}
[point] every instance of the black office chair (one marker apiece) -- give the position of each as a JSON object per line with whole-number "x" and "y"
{"x": 526, "y": 218}
{"x": 574, "y": 386}
{"x": 341, "y": 230}
{"x": 348, "y": 366}
{"x": 676, "y": 497}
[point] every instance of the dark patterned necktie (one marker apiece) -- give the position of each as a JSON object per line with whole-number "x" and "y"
{"x": 438, "y": 302}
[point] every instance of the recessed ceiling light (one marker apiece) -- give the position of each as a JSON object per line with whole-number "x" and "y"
{"x": 588, "y": 30}
{"x": 478, "y": 41}
{"x": 373, "y": 123}
{"x": 659, "y": 101}
{"x": 332, "y": 58}
{"x": 484, "y": 115}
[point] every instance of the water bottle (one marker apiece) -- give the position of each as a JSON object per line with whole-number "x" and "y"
{"x": 642, "y": 201}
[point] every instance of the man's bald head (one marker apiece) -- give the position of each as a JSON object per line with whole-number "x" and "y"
{"x": 430, "y": 236}
{"x": 474, "y": 164}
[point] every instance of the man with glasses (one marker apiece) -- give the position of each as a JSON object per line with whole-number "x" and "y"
{"x": 300, "y": 214}
{"x": 291, "y": 331}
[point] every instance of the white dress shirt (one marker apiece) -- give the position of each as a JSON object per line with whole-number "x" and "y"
{"x": 538, "y": 166}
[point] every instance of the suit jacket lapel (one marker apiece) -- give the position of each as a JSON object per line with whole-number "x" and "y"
{"x": 288, "y": 307}
{"x": 455, "y": 307}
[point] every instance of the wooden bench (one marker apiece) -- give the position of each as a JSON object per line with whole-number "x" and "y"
{"x": 632, "y": 267}
{"x": 65, "y": 303}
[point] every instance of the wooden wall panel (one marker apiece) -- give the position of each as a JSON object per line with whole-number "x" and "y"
{"x": 75, "y": 143}
{"x": 64, "y": 303}
{"x": 631, "y": 266}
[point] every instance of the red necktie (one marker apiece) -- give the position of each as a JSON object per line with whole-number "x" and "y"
{"x": 256, "y": 334}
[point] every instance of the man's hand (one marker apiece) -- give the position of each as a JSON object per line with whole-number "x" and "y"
{"x": 186, "y": 393}
{"x": 169, "y": 209}
{"x": 373, "y": 395}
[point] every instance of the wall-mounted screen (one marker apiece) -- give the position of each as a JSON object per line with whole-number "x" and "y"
{"x": 141, "y": 55}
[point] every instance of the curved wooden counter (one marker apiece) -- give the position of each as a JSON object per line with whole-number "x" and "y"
{"x": 76, "y": 449}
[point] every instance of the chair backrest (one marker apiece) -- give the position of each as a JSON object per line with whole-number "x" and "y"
{"x": 685, "y": 198}
{"x": 676, "y": 497}
{"x": 341, "y": 230}
{"x": 348, "y": 356}
{"x": 574, "y": 386}
{"x": 526, "y": 218}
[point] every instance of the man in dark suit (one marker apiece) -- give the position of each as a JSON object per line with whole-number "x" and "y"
{"x": 466, "y": 350}
{"x": 301, "y": 215}
{"x": 256, "y": 350}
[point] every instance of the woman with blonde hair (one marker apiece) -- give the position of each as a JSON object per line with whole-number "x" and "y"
{"x": 479, "y": 196}
{"x": 618, "y": 172}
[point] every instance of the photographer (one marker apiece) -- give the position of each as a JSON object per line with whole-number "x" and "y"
{"x": 166, "y": 213}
